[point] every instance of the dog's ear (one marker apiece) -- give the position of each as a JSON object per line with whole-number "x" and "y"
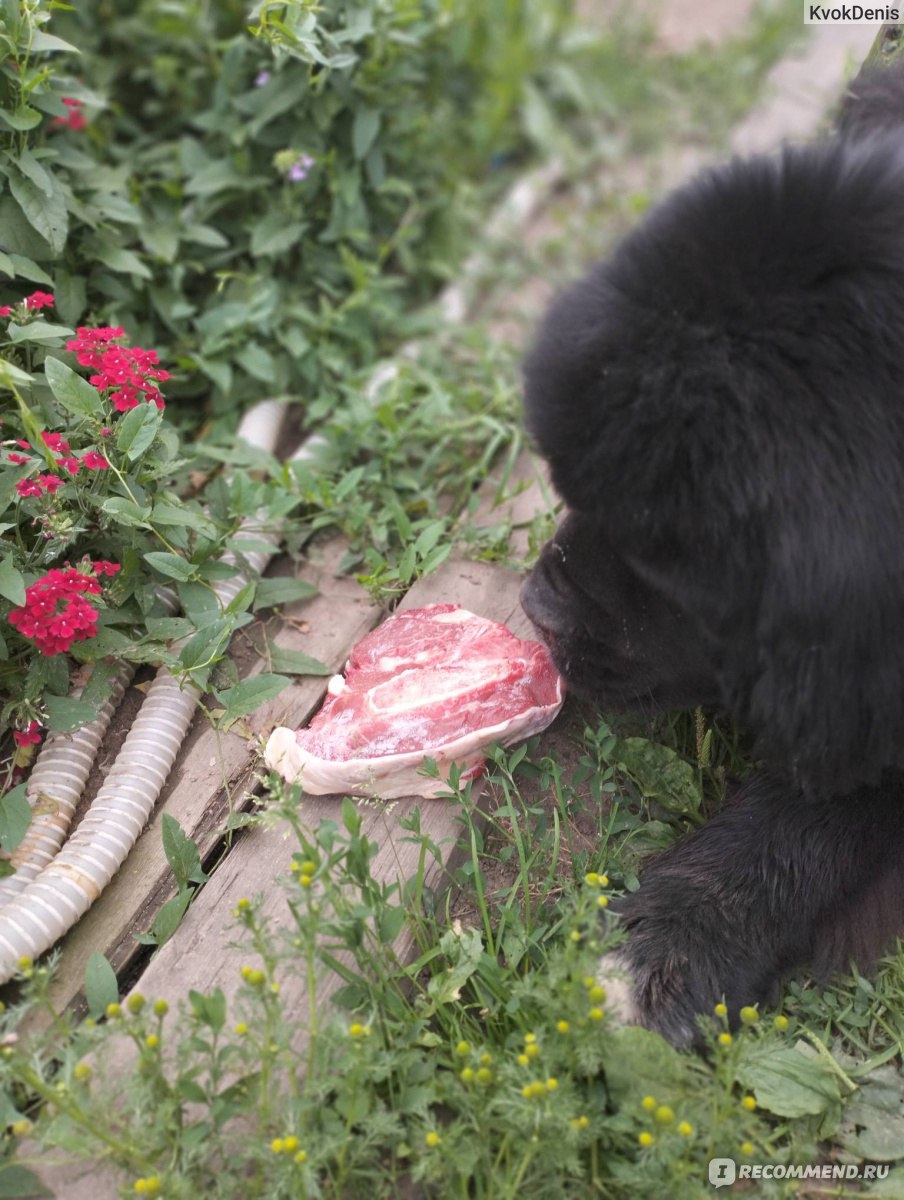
{"x": 724, "y": 395}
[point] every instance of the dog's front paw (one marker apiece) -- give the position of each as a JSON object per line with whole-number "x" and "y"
{"x": 679, "y": 962}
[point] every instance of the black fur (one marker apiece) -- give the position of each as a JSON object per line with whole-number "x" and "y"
{"x": 722, "y": 407}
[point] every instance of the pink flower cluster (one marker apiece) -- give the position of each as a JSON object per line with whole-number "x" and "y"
{"x": 129, "y": 373}
{"x": 91, "y": 460}
{"x": 56, "y": 611}
{"x": 34, "y": 302}
{"x": 74, "y": 119}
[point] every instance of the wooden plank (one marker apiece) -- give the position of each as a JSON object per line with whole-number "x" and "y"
{"x": 201, "y": 956}
{"x": 215, "y": 772}
{"x": 206, "y": 952}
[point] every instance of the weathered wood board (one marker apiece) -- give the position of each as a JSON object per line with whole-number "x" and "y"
{"x": 207, "y": 950}
{"x": 216, "y": 772}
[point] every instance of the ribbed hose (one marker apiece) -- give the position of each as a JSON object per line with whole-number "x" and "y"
{"x": 47, "y": 903}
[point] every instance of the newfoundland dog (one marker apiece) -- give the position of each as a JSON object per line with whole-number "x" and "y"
{"x": 721, "y": 404}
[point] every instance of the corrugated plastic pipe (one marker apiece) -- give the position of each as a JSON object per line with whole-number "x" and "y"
{"x": 55, "y": 896}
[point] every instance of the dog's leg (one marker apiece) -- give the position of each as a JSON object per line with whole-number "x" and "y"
{"x": 774, "y": 881}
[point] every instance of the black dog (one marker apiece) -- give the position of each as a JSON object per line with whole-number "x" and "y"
{"x": 722, "y": 407}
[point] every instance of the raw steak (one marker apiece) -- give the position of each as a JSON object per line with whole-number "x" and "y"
{"x": 437, "y": 682}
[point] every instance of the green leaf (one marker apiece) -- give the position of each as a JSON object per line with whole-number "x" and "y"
{"x": 250, "y": 694}
{"x": 49, "y": 43}
{"x": 126, "y": 512}
{"x": 464, "y": 951}
{"x": 38, "y": 332}
{"x": 36, "y": 172}
{"x": 293, "y": 662}
{"x": 47, "y": 215}
{"x": 170, "y": 565}
{"x": 12, "y": 584}
{"x": 282, "y": 591}
{"x": 22, "y": 118}
{"x": 185, "y": 516}
{"x": 26, "y": 269}
{"x": 660, "y": 774}
{"x": 206, "y": 646}
{"x": 124, "y": 262}
{"x": 11, "y": 374}
{"x": 137, "y": 430}
{"x": 642, "y": 1063}
{"x": 101, "y": 987}
{"x": 365, "y": 128}
{"x": 790, "y": 1081}
{"x": 209, "y": 1009}
{"x": 65, "y": 713}
{"x": 18, "y": 1183}
{"x": 74, "y": 393}
{"x": 167, "y": 920}
{"x": 181, "y": 853}
{"x": 392, "y": 918}
{"x": 15, "y": 817}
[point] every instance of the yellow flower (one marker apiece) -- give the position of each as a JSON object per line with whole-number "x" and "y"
{"x": 530, "y": 1037}
{"x": 463, "y": 1048}
{"x": 485, "y": 1059}
{"x": 523, "y": 1060}
{"x": 604, "y": 880}
{"x": 602, "y": 902}
{"x": 725, "y": 1039}
{"x": 562, "y": 1026}
{"x": 82, "y": 1071}
{"x": 575, "y": 935}
{"x": 152, "y": 1041}
{"x": 301, "y": 1157}
{"x": 241, "y": 1029}
{"x": 290, "y": 1143}
{"x": 588, "y": 981}
{"x": 161, "y": 1008}
{"x": 747, "y": 1148}
{"x": 552, "y": 1083}
{"x": 596, "y": 1014}
{"x": 244, "y": 904}
{"x": 597, "y": 994}
{"x": 580, "y": 1122}
{"x": 25, "y": 963}
{"x": 685, "y": 1129}
{"x": 432, "y": 1138}
{"x": 305, "y": 880}
{"x": 721, "y": 1010}
{"x": 649, "y": 1103}
{"x": 664, "y": 1114}
{"x": 592, "y": 878}
{"x": 780, "y": 1023}
{"x": 467, "y": 1074}
{"x": 646, "y": 1138}
{"x": 749, "y": 1015}
{"x": 484, "y": 1075}
{"x": 21, "y": 1127}
{"x": 135, "y": 1002}
{"x": 147, "y": 1186}
{"x": 113, "y": 1011}
{"x": 531, "y": 1049}
{"x": 357, "y": 1030}
{"x": 277, "y": 1145}
{"x": 749, "y": 1102}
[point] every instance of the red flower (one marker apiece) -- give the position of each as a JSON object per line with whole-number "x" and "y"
{"x": 128, "y": 374}
{"x": 71, "y": 102}
{"x": 5, "y": 310}
{"x": 102, "y": 567}
{"x": 39, "y": 300}
{"x": 18, "y": 458}
{"x": 70, "y": 463}
{"x": 94, "y": 461}
{"x": 24, "y": 445}
{"x": 28, "y": 737}
{"x": 74, "y": 119}
{"x": 55, "y": 614}
{"x": 29, "y": 487}
{"x": 54, "y": 442}
{"x": 50, "y": 483}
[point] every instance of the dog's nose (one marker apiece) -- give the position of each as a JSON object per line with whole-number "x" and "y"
{"x": 539, "y": 601}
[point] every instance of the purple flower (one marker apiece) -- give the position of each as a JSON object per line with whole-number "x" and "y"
{"x": 299, "y": 169}
{"x": 261, "y": 78}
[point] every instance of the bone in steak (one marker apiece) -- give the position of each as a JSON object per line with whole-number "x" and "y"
{"x": 434, "y": 682}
